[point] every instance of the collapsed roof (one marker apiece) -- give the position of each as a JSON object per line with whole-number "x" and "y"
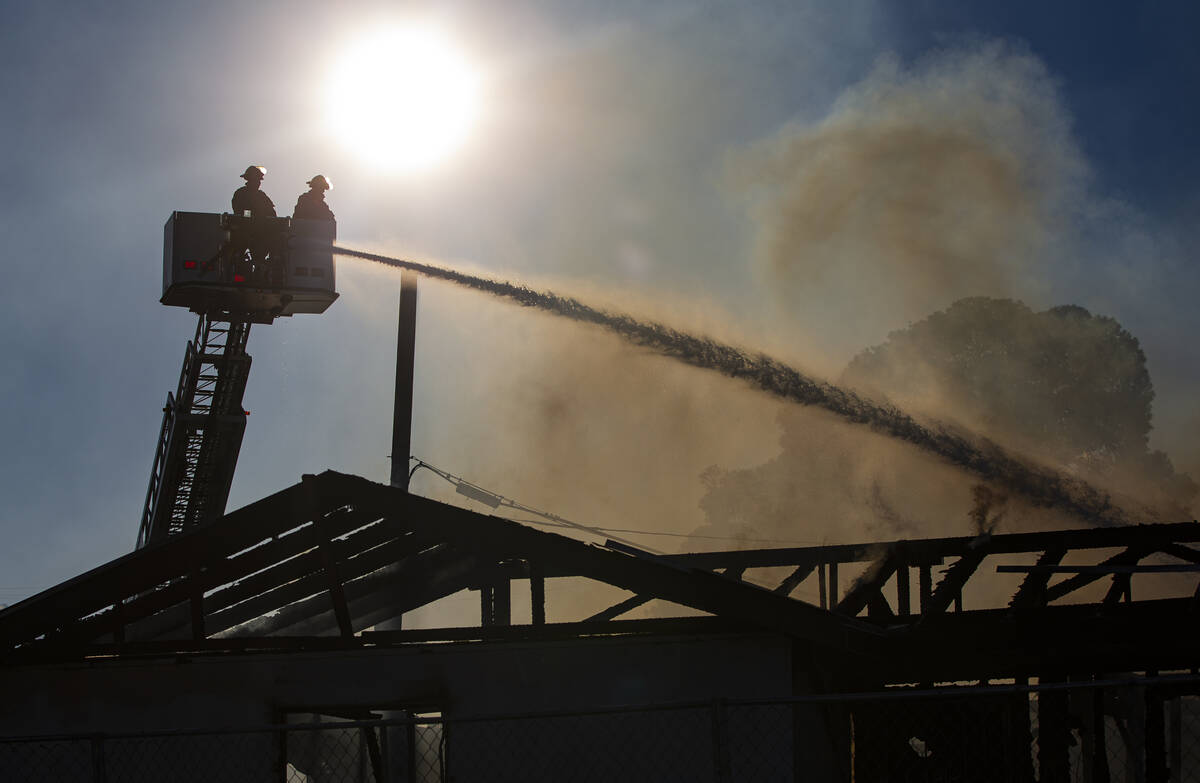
{"x": 322, "y": 563}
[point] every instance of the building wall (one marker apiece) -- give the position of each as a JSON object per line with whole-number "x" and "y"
{"x": 457, "y": 679}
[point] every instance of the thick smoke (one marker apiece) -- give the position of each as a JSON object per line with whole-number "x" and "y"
{"x": 921, "y": 187}
{"x": 1040, "y": 485}
{"x": 988, "y": 509}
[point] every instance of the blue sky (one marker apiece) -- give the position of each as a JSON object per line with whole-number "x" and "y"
{"x": 619, "y": 155}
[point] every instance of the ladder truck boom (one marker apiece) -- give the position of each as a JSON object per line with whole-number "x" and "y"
{"x": 232, "y": 272}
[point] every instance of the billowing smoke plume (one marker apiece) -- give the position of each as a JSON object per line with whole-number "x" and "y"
{"x": 979, "y": 457}
{"x": 921, "y": 187}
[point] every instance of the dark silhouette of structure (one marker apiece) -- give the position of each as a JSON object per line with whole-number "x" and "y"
{"x": 297, "y": 581}
{"x": 294, "y": 606}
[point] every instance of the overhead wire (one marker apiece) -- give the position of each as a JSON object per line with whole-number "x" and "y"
{"x": 496, "y": 500}
{"x": 554, "y": 520}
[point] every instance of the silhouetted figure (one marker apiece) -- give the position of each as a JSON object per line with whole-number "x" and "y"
{"x": 254, "y": 239}
{"x": 311, "y": 205}
{"x": 250, "y": 198}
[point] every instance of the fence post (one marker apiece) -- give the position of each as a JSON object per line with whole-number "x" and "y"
{"x": 99, "y": 773}
{"x": 282, "y": 749}
{"x": 1100, "y": 770}
{"x": 1176, "y": 713}
{"x": 1156, "y": 738}
{"x": 720, "y": 734}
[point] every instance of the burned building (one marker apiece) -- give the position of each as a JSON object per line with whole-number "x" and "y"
{"x": 271, "y": 616}
{"x": 274, "y": 643}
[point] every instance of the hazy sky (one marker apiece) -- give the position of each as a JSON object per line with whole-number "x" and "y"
{"x": 680, "y": 159}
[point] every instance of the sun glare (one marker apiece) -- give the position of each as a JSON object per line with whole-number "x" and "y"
{"x": 404, "y": 100}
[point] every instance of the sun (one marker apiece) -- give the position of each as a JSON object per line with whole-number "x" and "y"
{"x": 403, "y": 99}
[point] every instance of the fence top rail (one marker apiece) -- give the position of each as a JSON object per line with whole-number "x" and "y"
{"x": 889, "y": 694}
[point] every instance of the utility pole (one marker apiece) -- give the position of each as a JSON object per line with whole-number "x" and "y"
{"x": 406, "y": 344}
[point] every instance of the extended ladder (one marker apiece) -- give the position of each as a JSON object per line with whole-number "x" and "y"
{"x": 201, "y": 433}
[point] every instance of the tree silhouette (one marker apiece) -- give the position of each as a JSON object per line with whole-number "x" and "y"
{"x": 1066, "y": 383}
{"x": 1061, "y": 385}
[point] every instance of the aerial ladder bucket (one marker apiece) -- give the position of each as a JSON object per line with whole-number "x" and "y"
{"x": 233, "y": 272}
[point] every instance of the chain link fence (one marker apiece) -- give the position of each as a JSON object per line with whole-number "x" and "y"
{"x": 1145, "y": 731}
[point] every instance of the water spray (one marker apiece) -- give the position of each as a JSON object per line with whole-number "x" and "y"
{"x": 1041, "y": 485}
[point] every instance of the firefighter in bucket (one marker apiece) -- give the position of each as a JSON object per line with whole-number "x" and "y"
{"x": 257, "y": 238}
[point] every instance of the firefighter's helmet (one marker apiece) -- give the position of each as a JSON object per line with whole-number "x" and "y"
{"x": 254, "y": 172}
{"x": 319, "y": 181}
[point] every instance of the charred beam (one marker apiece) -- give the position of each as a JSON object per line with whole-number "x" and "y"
{"x": 867, "y": 589}
{"x": 1121, "y": 587}
{"x": 903, "y": 591}
{"x": 146, "y": 569}
{"x": 554, "y": 631}
{"x": 1032, "y": 591}
{"x": 950, "y": 588}
{"x": 1081, "y": 638}
{"x": 373, "y": 541}
{"x": 311, "y": 583}
{"x": 408, "y": 587}
{"x": 333, "y": 583}
{"x": 288, "y": 581}
{"x": 935, "y": 550}
{"x": 329, "y": 559}
{"x": 382, "y": 639}
{"x": 146, "y": 612}
{"x": 704, "y": 591}
{"x": 382, "y": 594}
{"x": 502, "y": 592}
{"x": 618, "y": 609}
{"x": 537, "y": 593}
{"x": 1182, "y": 552}
{"x": 793, "y": 580}
{"x": 197, "y": 605}
{"x": 1067, "y": 586}
{"x": 1104, "y": 570}
{"x": 487, "y": 606}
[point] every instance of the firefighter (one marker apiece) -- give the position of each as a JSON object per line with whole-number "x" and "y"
{"x": 250, "y": 198}
{"x": 254, "y": 243}
{"x": 311, "y": 205}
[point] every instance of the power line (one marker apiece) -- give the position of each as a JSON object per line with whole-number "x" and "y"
{"x": 496, "y": 500}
